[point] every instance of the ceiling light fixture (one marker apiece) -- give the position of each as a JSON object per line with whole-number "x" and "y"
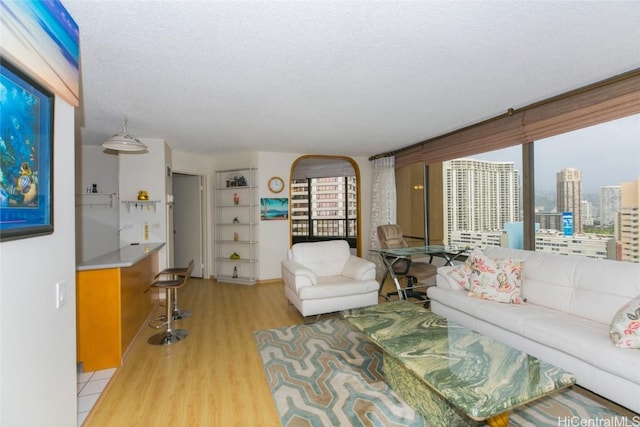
{"x": 123, "y": 141}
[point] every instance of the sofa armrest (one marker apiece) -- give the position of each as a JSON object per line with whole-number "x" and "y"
{"x": 359, "y": 269}
{"x": 296, "y": 276}
{"x": 444, "y": 280}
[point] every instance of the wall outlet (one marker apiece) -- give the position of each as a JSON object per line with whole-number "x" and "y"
{"x": 61, "y": 293}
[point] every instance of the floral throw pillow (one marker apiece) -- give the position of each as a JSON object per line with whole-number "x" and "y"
{"x": 461, "y": 274}
{"x": 625, "y": 326}
{"x": 495, "y": 279}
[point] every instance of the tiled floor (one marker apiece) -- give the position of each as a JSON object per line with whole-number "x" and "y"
{"x": 90, "y": 385}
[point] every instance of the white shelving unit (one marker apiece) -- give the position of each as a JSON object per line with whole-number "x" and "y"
{"x": 237, "y": 220}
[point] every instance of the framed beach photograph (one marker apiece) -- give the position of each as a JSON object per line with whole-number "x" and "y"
{"x": 26, "y": 147}
{"x": 274, "y": 209}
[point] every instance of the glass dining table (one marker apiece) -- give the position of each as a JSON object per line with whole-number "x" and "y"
{"x": 391, "y": 256}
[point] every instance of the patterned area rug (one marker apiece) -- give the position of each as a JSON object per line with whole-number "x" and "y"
{"x": 327, "y": 374}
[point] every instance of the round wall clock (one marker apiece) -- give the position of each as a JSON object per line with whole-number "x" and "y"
{"x": 276, "y": 184}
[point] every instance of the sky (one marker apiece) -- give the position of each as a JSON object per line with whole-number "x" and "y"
{"x": 606, "y": 154}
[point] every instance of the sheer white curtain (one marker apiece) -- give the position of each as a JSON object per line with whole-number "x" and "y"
{"x": 383, "y": 203}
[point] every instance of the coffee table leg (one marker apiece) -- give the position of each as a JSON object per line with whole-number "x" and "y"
{"x": 501, "y": 420}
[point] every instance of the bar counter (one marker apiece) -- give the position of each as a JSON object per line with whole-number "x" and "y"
{"x": 123, "y": 257}
{"x": 112, "y": 303}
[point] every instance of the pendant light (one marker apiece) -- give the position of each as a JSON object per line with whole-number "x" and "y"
{"x": 123, "y": 141}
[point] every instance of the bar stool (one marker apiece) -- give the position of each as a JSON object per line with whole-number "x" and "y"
{"x": 169, "y": 335}
{"x": 174, "y": 273}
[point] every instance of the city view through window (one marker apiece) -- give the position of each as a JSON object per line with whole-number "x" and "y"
{"x": 586, "y": 186}
{"x": 324, "y": 208}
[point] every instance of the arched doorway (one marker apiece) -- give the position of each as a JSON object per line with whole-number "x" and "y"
{"x": 325, "y": 200}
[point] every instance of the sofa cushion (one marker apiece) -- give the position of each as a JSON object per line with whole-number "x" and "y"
{"x": 603, "y": 286}
{"x": 581, "y": 338}
{"x": 337, "y": 286}
{"x": 625, "y": 326}
{"x": 508, "y": 316}
{"x": 585, "y": 340}
{"x": 323, "y": 258}
{"x": 590, "y": 288}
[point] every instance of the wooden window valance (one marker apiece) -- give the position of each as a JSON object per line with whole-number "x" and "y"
{"x": 598, "y": 103}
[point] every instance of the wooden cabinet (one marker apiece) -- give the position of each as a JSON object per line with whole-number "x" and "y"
{"x": 237, "y": 220}
{"x": 112, "y": 306}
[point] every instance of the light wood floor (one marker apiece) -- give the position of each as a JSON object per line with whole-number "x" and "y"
{"x": 214, "y": 377}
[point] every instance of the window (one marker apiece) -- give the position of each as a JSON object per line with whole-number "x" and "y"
{"x": 324, "y": 208}
{"x": 589, "y": 178}
{"x": 482, "y": 199}
{"x": 586, "y": 193}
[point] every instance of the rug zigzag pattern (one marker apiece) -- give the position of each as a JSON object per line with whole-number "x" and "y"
{"x": 327, "y": 374}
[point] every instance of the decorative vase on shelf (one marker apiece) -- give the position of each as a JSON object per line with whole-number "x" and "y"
{"x": 235, "y": 236}
{"x": 236, "y": 198}
{"x": 235, "y": 273}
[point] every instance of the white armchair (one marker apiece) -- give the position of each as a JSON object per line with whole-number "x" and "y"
{"x": 323, "y": 277}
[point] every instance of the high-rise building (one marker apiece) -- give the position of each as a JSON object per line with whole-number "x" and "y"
{"x": 569, "y": 195}
{"x": 324, "y": 207}
{"x": 628, "y": 224}
{"x": 549, "y": 221}
{"x": 479, "y": 196}
{"x": 553, "y": 241}
{"x": 586, "y": 209}
{"x": 609, "y": 204}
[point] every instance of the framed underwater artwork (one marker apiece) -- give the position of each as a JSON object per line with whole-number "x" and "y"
{"x": 26, "y": 151}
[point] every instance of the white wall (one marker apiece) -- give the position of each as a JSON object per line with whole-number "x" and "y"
{"x": 274, "y": 235}
{"x": 144, "y": 171}
{"x": 96, "y": 226}
{"x": 38, "y": 373}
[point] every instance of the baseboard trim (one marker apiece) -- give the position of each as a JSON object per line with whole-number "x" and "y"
{"x": 258, "y": 282}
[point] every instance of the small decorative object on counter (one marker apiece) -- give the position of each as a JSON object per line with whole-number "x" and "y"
{"x": 236, "y": 220}
{"x": 94, "y": 188}
{"x": 143, "y": 195}
{"x": 235, "y": 272}
{"x": 234, "y": 256}
{"x": 235, "y": 236}
{"x": 236, "y": 198}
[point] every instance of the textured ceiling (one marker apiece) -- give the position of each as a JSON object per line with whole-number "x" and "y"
{"x": 334, "y": 77}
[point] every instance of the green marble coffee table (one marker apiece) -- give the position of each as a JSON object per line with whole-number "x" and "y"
{"x": 449, "y": 374}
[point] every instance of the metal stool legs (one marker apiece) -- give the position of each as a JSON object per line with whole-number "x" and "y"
{"x": 169, "y": 335}
{"x": 178, "y": 313}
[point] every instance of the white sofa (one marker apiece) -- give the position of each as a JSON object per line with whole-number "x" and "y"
{"x": 570, "y": 303}
{"x": 323, "y": 277}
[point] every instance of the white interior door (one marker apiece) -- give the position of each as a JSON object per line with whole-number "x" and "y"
{"x": 187, "y": 221}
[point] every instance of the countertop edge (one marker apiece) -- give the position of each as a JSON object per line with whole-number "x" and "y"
{"x": 123, "y": 257}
